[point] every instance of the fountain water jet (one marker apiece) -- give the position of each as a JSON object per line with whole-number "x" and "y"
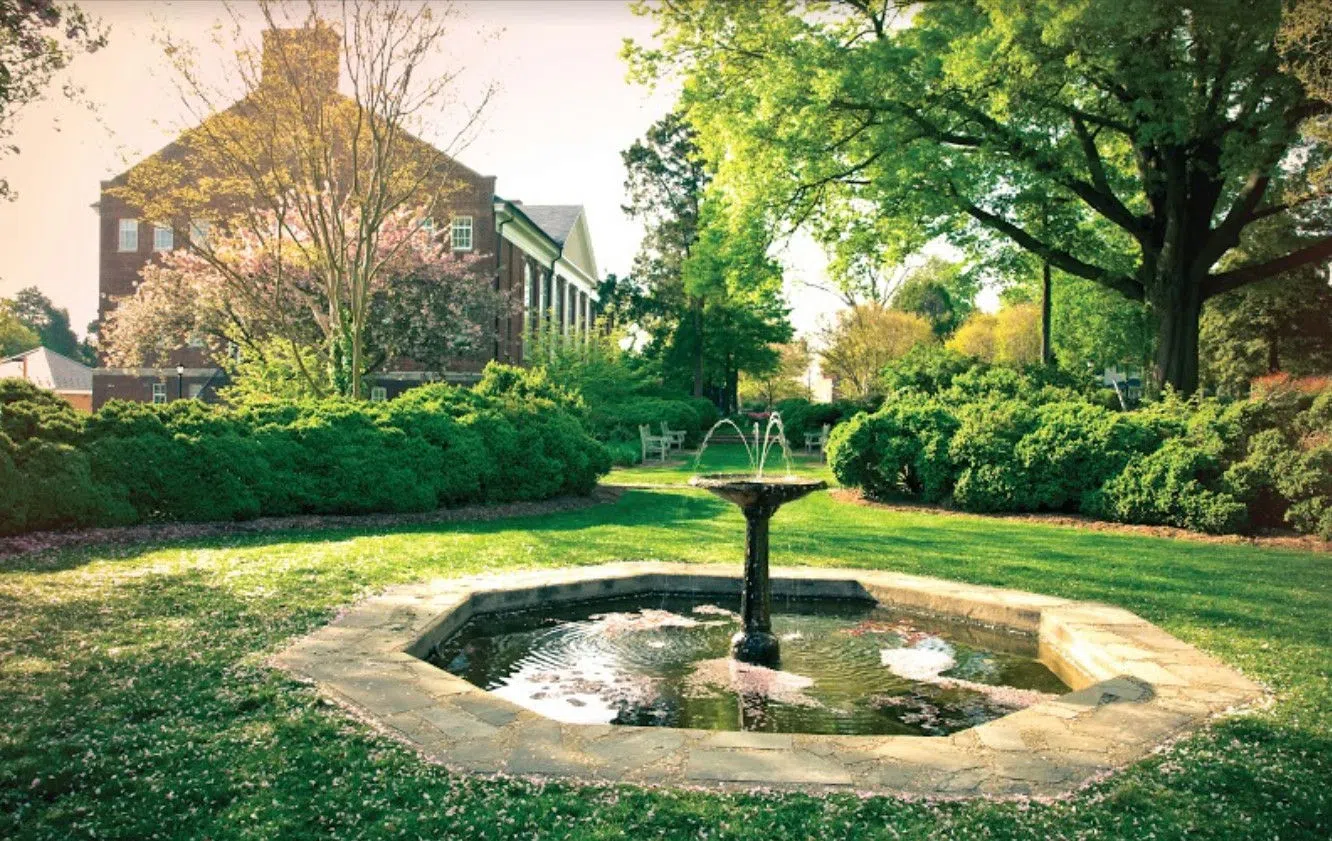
{"x": 759, "y": 498}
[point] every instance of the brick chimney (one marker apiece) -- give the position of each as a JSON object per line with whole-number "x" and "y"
{"x": 312, "y": 54}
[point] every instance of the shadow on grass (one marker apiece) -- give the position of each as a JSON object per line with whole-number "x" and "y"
{"x": 634, "y": 507}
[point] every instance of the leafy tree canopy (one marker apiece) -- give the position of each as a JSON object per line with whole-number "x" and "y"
{"x": 1127, "y": 142}
{"x": 51, "y": 323}
{"x": 1283, "y": 324}
{"x": 38, "y": 39}
{"x": 15, "y": 336}
{"x": 941, "y": 292}
{"x": 864, "y": 339}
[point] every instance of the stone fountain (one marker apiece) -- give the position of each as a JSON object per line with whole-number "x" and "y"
{"x": 759, "y": 498}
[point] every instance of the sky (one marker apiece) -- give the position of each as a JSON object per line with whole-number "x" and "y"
{"x": 552, "y": 134}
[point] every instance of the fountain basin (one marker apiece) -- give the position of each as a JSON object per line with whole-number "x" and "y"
{"x": 749, "y": 491}
{"x": 1134, "y": 686}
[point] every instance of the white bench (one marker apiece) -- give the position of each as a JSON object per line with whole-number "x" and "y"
{"x": 658, "y": 444}
{"x": 675, "y": 437}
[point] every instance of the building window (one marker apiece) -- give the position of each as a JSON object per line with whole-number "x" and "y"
{"x": 164, "y": 239}
{"x": 159, "y": 392}
{"x": 199, "y": 232}
{"x": 462, "y": 233}
{"x": 129, "y": 234}
{"x": 378, "y": 394}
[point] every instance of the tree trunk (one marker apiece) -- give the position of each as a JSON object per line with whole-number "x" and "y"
{"x": 1177, "y": 311}
{"x": 1047, "y": 348}
{"x": 698, "y": 346}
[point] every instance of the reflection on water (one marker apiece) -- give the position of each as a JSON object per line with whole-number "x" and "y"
{"x": 847, "y": 667}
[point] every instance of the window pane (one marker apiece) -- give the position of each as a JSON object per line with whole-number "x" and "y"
{"x": 198, "y": 231}
{"x": 163, "y": 238}
{"x": 129, "y": 234}
{"x": 462, "y": 233}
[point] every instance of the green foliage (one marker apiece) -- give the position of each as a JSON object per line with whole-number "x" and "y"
{"x": 1170, "y": 487}
{"x": 620, "y": 421}
{"x": 1286, "y": 474}
{"x": 942, "y": 293}
{"x": 510, "y": 381}
{"x": 188, "y": 461}
{"x": 901, "y": 451}
{"x": 800, "y": 416}
{"x": 1077, "y": 134}
{"x": 275, "y": 369}
{"x": 15, "y": 336}
{"x": 926, "y": 368}
{"x": 1281, "y": 324}
{"x": 1034, "y": 441}
{"x": 50, "y": 323}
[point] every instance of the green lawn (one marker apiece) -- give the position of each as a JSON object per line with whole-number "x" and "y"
{"x": 723, "y": 458}
{"x": 136, "y": 704}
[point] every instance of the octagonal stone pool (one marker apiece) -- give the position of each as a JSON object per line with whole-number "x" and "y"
{"x": 850, "y": 667}
{"x": 1133, "y": 686}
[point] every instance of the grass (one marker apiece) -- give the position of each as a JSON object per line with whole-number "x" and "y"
{"x": 723, "y": 458}
{"x": 136, "y": 704}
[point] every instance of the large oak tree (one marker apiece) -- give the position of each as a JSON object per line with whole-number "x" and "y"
{"x": 1159, "y": 130}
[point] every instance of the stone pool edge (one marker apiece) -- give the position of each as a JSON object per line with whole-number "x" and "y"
{"x": 1135, "y": 688}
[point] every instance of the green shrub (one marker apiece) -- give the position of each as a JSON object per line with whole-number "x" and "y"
{"x": 28, "y": 412}
{"x": 1073, "y": 449}
{"x": 899, "y": 451}
{"x": 983, "y": 452}
{"x": 438, "y": 445}
{"x": 926, "y": 368}
{"x": 500, "y": 380}
{"x": 1171, "y": 486}
{"x": 620, "y": 421}
{"x": 801, "y": 416}
{"x": 707, "y": 411}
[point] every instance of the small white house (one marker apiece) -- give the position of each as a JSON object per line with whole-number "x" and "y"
{"x": 47, "y": 369}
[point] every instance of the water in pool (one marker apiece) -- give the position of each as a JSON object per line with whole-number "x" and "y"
{"x": 847, "y": 667}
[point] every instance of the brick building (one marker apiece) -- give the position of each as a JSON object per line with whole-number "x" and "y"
{"x": 542, "y": 257}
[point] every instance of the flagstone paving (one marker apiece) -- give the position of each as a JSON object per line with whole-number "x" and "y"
{"x": 1135, "y": 686}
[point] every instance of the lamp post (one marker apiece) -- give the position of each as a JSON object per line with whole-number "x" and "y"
{"x": 180, "y": 381}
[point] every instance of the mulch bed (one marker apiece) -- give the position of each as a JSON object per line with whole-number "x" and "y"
{"x": 1283, "y": 540}
{"x": 170, "y": 532}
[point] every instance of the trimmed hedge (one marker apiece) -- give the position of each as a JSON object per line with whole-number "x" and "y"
{"x": 997, "y": 440}
{"x": 436, "y": 446}
{"x": 619, "y": 422}
{"x": 800, "y": 416}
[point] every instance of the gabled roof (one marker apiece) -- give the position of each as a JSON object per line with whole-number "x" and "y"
{"x": 556, "y": 220}
{"x": 47, "y": 369}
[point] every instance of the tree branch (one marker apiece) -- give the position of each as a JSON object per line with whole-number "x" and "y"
{"x": 1219, "y": 284}
{"x": 1060, "y": 259}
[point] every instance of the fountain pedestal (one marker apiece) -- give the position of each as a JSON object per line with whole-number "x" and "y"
{"x": 759, "y": 499}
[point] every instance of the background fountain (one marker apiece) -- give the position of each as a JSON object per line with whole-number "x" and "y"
{"x": 759, "y": 498}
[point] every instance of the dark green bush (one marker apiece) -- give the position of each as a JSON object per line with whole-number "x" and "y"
{"x": 801, "y": 416}
{"x": 708, "y": 413}
{"x": 1171, "y": 486}
{"x": 1072, "y": 450}
{"x": 899, "y": 451}
{"x": 993, "y": 441}
{"x": 926, "y": 368}
{"x": 620, "y": 421}
{"x": 983, "y": 454}
{"x": 438, "y": 445}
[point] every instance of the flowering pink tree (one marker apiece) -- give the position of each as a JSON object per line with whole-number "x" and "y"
{"x": 270, "y": 285}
